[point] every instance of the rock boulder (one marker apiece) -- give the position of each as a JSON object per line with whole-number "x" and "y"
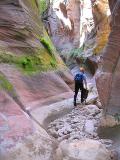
{"x": 82, "y": 150}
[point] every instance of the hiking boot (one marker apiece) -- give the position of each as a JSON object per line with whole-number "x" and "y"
{"x": 75, "y": 103}
{"x": 82, "y": 100}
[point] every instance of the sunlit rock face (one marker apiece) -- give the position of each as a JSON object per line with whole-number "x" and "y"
{"x": 109, "y": 74}
{"x": 101, "y": 13}
{"x": 70, "y": 23}
{"x": 97, "y": 27}
{"x": 64, "y": 22}
{"x": 86, "y": 21}
{"x": 98, "y": 36}
{"x": 80, "y": 24}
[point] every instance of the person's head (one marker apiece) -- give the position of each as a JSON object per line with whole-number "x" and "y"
{"x": 82, "y": 69}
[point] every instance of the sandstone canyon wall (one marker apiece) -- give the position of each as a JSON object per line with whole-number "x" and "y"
{"x": 79, "y": 28}
{"x": 64, "y": 18}
{"x": 109, "y": 72}
{"x": 101, "y": 13}
{"x": 25, "y": 51}
{"x": 92, "y": 35}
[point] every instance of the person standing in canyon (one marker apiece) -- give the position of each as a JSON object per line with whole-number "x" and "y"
{"x": 80, "y": 82}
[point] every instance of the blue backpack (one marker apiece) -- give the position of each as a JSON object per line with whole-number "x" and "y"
{"x": 79, "y": 77}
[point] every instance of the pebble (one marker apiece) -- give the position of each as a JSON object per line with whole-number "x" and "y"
{"x": 80, "y": 123}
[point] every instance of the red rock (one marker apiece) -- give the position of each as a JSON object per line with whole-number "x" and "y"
{"x": 104, "y": 82}
{"x": 92, "y": 64}
{"x": 38, "y": 88}
{"x": 108, "y": 80}
{"x": 15, "y": 125}
{"x": 67, "y": 77}
{"x": 65, "y": 24}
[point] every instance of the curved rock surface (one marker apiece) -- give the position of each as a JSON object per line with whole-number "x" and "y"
{"x": 82, "y": 24}
{"x": 26, "y": 48}
{"x": 64, "y": 23}
{"x": 82, "y": 150}
{"x": 20, "y": 137}
{"x": 108, "y": 76}
{"x": 23, "y": 38}
{"x": 42, "y": 88}
{"x": 25, "y": 51}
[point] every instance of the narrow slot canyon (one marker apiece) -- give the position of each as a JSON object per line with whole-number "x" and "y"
{"x": 44, "y": 45}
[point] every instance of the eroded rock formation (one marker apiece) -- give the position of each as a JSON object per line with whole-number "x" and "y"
{"x": 109, "y": 75}
{"x": 86, "y": 149}
{"x": 64, "y": 18}
{"x": 101, "y": 13}
{"x": 79, "y": 24}
{"x": 25, "y": 51}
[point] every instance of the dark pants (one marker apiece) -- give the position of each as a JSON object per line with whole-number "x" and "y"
{"x": 78, "y": 86}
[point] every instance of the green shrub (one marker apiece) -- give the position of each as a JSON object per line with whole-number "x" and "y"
{"x": 39, "y": 61}
{"x": 47, "y": 45}
{"x": 42, "y": 5}
{"x": 53, "y": 63}
{"x": 5, "y": 84}
{"x": 26, "y": 62}
{"x": 76, "y": 52}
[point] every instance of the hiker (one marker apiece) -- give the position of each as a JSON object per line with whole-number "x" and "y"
{"x": 80, "y": 81}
